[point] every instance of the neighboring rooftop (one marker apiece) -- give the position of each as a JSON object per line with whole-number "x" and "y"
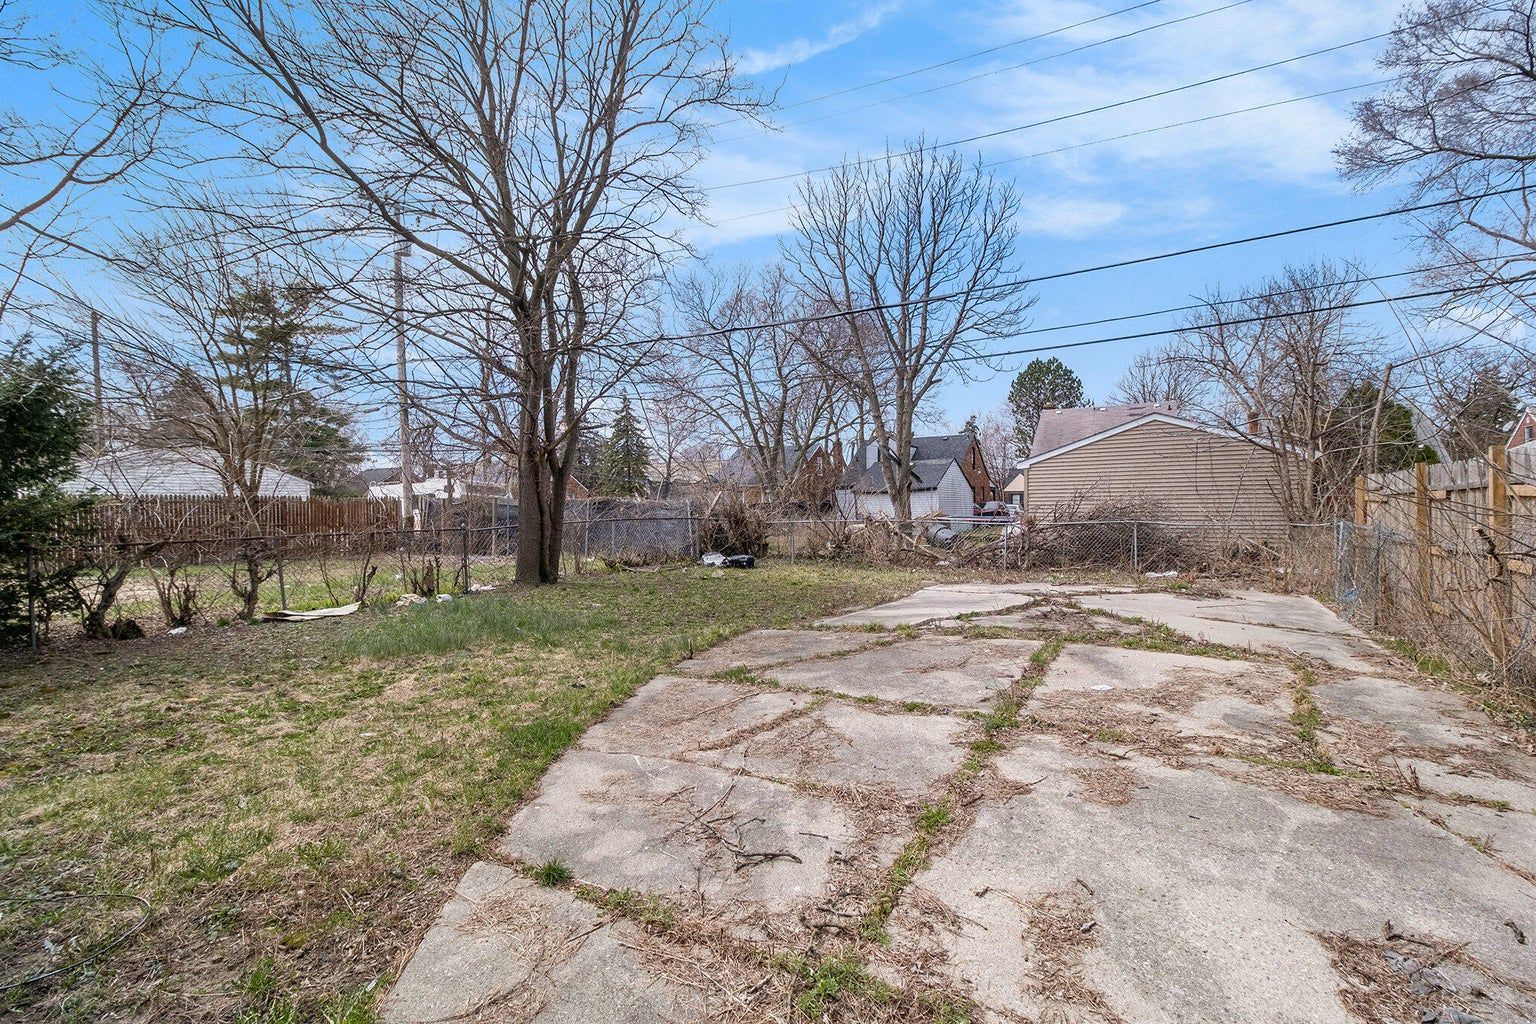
{"x": 1060, "y": 427}
{"x": 145, "y": 473}
{"x": 930, "y": 461}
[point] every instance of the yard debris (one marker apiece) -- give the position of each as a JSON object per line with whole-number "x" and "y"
{"x": 176, "y": 631}
{"x": 718, "y": 560}
{"x": 406, "y": 600}
{"x": 1519, "y": 933}
{"x": 289, "y": 615}
{"x": 443, "y": 598}
{"x": 1448, "y": 1015}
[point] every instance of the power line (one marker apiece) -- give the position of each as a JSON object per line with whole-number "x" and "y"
{"x": 1097, "y": 268}
{"x": 994, "y": 71}
{"x": 1058, "y": 118}
{"x": 1120, "y": 138}
{"x": 952, "y": 60}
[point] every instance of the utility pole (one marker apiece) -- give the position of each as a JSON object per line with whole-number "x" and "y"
{"x": 407, "y": 490}
{"x": 101, "y": 412}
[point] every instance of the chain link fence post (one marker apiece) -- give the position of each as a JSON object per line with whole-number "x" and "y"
{"x": 464, "y": 551}
{"x": 1135, "y": 547}
{"x": 282, "y": 580}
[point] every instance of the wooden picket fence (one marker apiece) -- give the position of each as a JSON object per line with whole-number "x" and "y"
{"x": 1448, "y": 554}
{"x": 197, "y": 518}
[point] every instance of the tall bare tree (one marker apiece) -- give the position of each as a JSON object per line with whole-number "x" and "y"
{"x": 921, "y": 242}
{"x": 1281, "y": 376}
{"x": 83, "y": 124}
{"x": 1158, "y": 377}
{"x": 766, "y": 390}
{"x": 1458, "y": 122}
{"x": 531, "y": 154}
{"x": 221, "y": 359}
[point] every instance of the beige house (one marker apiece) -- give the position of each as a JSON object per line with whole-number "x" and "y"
{"x": 1181, "y": 471}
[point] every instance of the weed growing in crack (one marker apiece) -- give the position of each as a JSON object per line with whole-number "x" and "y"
{"x": 830, "y": 979}
{"x": 552, "y": 873}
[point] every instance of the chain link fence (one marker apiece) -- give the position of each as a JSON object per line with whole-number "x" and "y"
{"x": 1376, "y": 576}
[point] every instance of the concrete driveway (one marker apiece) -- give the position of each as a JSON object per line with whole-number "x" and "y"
{"x": 1015, "y": 802}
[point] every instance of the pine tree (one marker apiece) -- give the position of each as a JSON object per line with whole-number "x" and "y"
{"x": 626, "y": 455}
{"x": 45, "y": 424}
{"x": 1042, "y": 384}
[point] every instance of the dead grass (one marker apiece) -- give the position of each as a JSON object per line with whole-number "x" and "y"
{"x": 296, "y": 801}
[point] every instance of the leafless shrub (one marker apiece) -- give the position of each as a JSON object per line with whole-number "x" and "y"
{"x": 177, "y": 592}
{"x": 732, "y": 525}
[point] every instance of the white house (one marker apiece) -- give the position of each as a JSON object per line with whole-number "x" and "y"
{"x": 939, "y": 486}
{"x": 145, "y": 473}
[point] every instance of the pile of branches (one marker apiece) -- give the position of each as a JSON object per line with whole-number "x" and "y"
{"x": 732, "y": 525}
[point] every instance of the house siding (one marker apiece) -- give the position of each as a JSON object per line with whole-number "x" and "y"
{"x": 1184, "y": 475}
{"x": 952, "y": 498}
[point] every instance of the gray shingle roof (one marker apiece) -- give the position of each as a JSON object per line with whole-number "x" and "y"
{"x": 145, "y": 473}
{"x": 931, "y": 462}
{"x": 1060, "y": 427}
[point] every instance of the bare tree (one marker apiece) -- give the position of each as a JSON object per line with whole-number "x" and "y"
{"x": 1159, "y": 377}
{"x": 1459, "y": 122}
{"x": 67, "y": 144}
{"x": 922, "y": 243}
{"x": 765, "y": 390}
{"x": 531, "y": 154}
{"x": 221, "y": 361}
{"x": 1281, "y": 376}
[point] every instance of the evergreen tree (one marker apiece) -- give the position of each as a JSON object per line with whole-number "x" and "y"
{"x": 1397, "y": 443}
{"x": 626, "y": 456}
{"x": 44, "y": 424}
{"x": 1042, "y": 384}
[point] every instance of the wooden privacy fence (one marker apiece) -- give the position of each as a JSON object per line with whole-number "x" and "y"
{"x": 1454, "y": 550}
{"x": 138, "y": 520}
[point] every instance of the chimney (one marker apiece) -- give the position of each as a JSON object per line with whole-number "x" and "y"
{"x": 1253, "y": 422}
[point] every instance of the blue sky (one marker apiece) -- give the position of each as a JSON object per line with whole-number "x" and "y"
{"x": 1161, "y": 191}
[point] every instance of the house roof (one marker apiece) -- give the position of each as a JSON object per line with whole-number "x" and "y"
{"x": 1059, "y": 427}
{"x": 933, "y": 454}
{"x": 741, "y": 468}
{"x": 926, "y": 474}
{"x": 1120, "y": 428}
{"x": 137, "y": 472}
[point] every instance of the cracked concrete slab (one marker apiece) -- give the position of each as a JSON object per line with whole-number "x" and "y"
{"x": 1205, "y": 894}
{"x": 1513, "y": 784}
{"x": 764, "y": 647}
{"x": 1047, "y": 615}
{"x": 947, "y": 671}
{"x": 1175, "y": 875}
{"x": 1104, "y": 669}
{"x": 507, "y": 949}
{"x": 1507, "y": 835}
{"x": 942, "y": 602}
{"x": 1414, "y": 715}
{"x": 678, "y": 717}
{"x": 735, "y": 845}
{"x": 1195, "y": 618}
{"x": 839, "y": 744}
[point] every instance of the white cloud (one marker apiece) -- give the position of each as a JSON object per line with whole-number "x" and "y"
{"x": 756, "y": 61}
{"x": 1069, "y": 218}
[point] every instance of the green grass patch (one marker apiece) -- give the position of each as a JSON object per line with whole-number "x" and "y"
{"x": 314, "y": 790}
{"x": 552, "y": 873}
{"x": 835, "y": 978}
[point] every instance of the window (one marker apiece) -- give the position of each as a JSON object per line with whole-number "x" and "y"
{"x": 1530, "y": 433}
